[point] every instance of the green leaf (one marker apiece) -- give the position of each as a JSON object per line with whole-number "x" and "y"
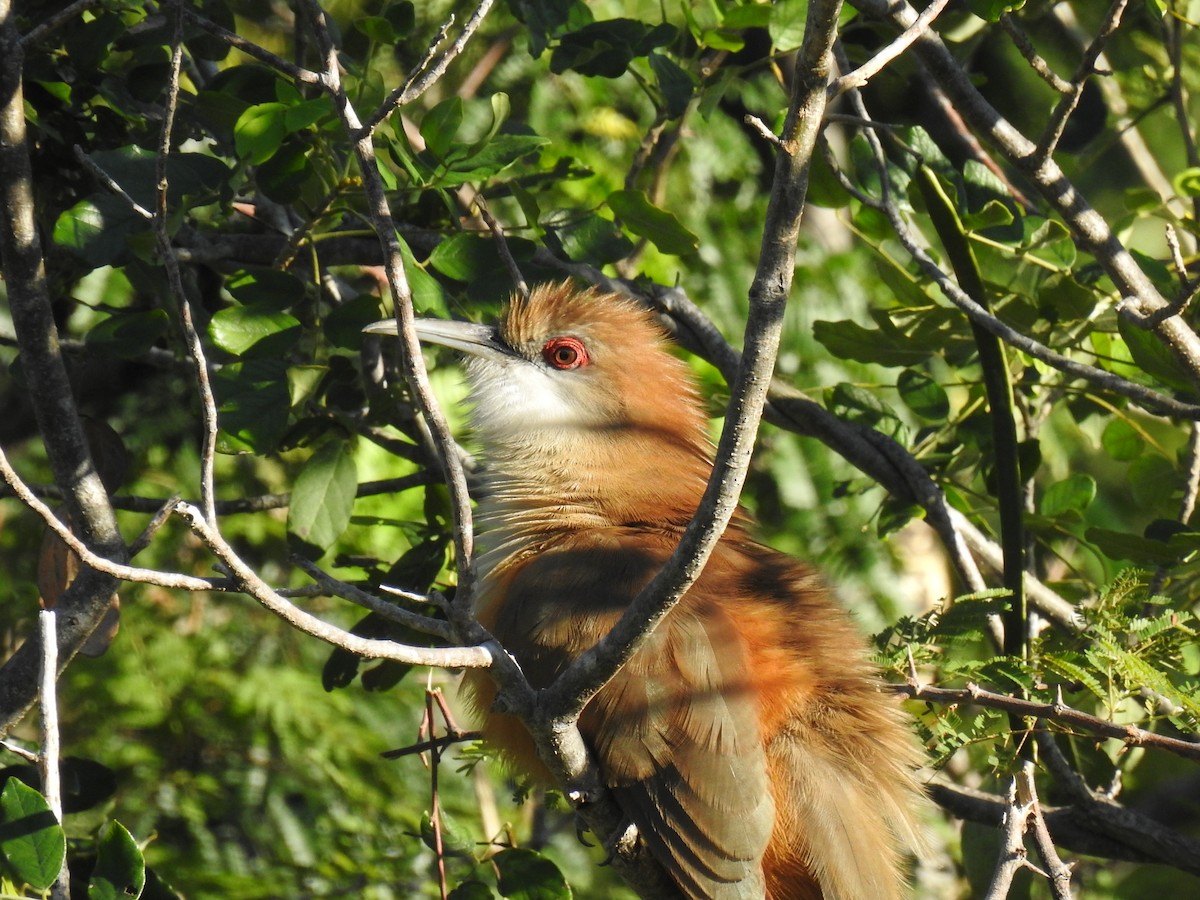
{"x": 849, "y": 340}
{"x": 1121, "y": 441}
{"x": 471, "y": 890}
{"x": 253, "y": 405}
{"x": 857, "y": 403}
{"x": 303, "y": 382}
{"x": 128, "y": 335}
{"x": 456, "y": 840}
{"x": 323, "y": 497}
{"x": 304, "y": 115}
{"x": 526, "y": 875}
{"x": 98, "y": 229}
{"x": 607, "y": 48}
{"x": 1074, "y": 493}
{"x": 548, "y": 18}
{"x": 923, "y": 395}
{"x": 593, "y": 239}
{"x": 1153, "y": 356}
{"x": 259, "y": 131}
{"x": 1187, "y": 182}
{"x": 501, "y": 109}
{"x": 466, "y": 257}
{"x": 427, "y": 294}
{"x": 197, "y": 176}
{"x": 120, "y": 870}
{"x": 1133, "y": 547}
{"x": 1153, "y": 480}
{"x": 259, "y": 328}
{"x": 32, "y": 841}
{"x": 377, "y": 28}
{"x": 344, "y": 324}
{"x": 489, "y": 160}
{"x": 441, "y": 124}
{"x": 675, "y": 84}
{"x": 895, "y": 514}
{"x": 646, "y": 220}
{"x": 991, "y": 10}
{"x": 259, "y": 285}
{"x": 786, "y": 26}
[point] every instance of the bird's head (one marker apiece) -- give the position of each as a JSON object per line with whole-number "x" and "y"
{"x": 584, "y": 415}
{"x": 568, "y": 365}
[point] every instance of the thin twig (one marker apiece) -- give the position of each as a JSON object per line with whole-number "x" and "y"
{"x": 1092, "y": 232}
{"x": 454, "y": 737}
{"x": 760, "y": 128}
{"x": 238, "y": 505}
{"x": 156, "y": 522}
{"x": 502, "y": 247}
{"x": 85, "y": 553}
{"x": 860, "y": 76}
{"x": 1101, "y": 828}
{"x": 56, "y": 20}
{"x": 1011, "y": 858}
{"x": 427, "y": 72}
{"x": 110, "y": 183}
{"x": 435, "y": 627}
{"x": 1055, "y": 711}
{"x": 249, "y": 582}
{"x": 1087, "y": 68}
{"x": 48, "y": 759}
{"x": 1025, "y": 47}
{"x": 768, "y": 297}
{"x": 1057, "y": 872}
{"x": 412, "y": 363}
{"x": 292, "y": 71}
{"x": 28, "y": 755}
{"x": 208, "y": 404}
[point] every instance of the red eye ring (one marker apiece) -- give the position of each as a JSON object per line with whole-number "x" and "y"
{"x": 565, "y": 353}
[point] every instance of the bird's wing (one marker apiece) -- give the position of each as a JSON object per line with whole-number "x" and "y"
{"x": 677, "y": 737}
{"x": 676, "y": 730}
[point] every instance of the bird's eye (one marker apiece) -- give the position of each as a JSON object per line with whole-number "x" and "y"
{"x": 565, "y": 353}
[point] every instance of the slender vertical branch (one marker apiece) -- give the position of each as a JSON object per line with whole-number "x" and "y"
{"x": 1087, "y": 67}
{"x": 768, "y": 298}
{"x": 427, "y": 72}
{"x": 208, "y": 404}
{"x": 998, "y": 386}
{"x": 412, "y": 364}
{"x": 48, "y": 759}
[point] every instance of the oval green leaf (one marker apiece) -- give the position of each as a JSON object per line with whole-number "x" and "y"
{"x": 259, "y": 327}
{"x": 323, "y": 497}
{"x": 120, "y": 871}
{"x": 32, "y": 841}
{"x": 1074, "y": 493}
{"x": 1121, "y": 441}
{"x": 526, "y": 875}
{"x": 923, "y": 395}
{"x": 657, "y": 226}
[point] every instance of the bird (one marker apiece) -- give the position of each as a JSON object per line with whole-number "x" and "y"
{"x": 748, "y": 739}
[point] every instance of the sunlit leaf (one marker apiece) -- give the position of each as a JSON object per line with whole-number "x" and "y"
{"x": 32, "y": 841}
{"x": 323, "y": 497}
{"x": 658, "y": 226}
{"x": 120, "y": 871}
{"x": 527, "y": 875}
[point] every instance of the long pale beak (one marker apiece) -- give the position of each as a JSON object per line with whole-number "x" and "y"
{"x": 467, "y": 337}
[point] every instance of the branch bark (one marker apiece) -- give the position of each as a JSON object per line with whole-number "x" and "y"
{"x": 85, "y": 603}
